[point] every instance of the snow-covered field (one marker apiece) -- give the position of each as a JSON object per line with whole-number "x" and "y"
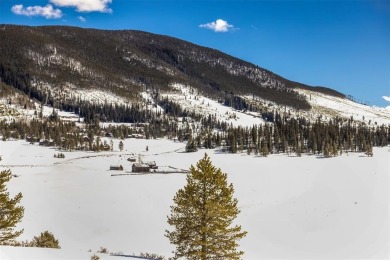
{"x": 292, "y": 207}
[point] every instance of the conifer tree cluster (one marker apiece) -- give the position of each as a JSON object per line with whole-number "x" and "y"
{"x": 285, "y": 134}
{"x": 282, "y": 133}
{"x": 59, "y": 155}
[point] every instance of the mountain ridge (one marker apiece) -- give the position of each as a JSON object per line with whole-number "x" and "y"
{"x": 126, "y": 62}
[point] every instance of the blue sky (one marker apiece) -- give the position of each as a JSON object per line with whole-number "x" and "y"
{"x": 344, "y": 45}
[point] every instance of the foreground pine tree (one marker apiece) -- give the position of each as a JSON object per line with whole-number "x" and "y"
{"x": 202, "y": 216}
{"x": 10, "y": 213}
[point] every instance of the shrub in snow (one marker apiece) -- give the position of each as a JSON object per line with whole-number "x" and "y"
{"x": 152, "y": 256}
{"x": 15, "y": 243}
{"x": 191, "y": 147}
{"x": 45, "y": 239}
{"x": 95, "y": 257}
{"x": 103, "y": 250}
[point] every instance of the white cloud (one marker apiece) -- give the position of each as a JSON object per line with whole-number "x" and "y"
{"x": 218, "y": 26}
{"x": 85, "y": 5}
{"x": 82, "y": 19}
{"x": 387, "y": 98}
{"x": 46, "y": 11}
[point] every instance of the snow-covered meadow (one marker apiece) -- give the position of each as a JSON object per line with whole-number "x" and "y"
{"x": 292, "y": 207}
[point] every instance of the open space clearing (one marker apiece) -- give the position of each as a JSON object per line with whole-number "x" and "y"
{"x": 292, "y": 207}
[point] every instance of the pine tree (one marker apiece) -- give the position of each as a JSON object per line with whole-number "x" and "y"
{"x": 327, "y": 152}
{"x": 10, "y": 213}
{"x": 369, "y": 151}
{"x": 203, "y": 214}
{"x": 191, "y": 146}
{"x": 264, "y": 149}
{"x": 249, "y": 149}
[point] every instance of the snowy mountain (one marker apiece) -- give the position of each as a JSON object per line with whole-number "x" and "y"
{"x": 63, "y": 63}
{"x": 63, "y": 66}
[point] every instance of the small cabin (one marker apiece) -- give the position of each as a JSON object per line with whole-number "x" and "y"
{"x": 137, "y": 136}
{"x": 32, "y": 139}
{"x": 131, "y": 159}
{"x": 47, "y": 142}
{"x": 116, "y": 168}
{"x": 140, "y": 167}
{"x": 152, "y": 165}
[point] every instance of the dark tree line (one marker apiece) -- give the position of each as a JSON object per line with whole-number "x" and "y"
{"x": 281, "y": 133}
{"x": 298, "y": 135}
{"x": 173, "y": 109}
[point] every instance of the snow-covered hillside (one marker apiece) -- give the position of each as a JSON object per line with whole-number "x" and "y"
{"x": 330, "y": 107}
{"x": 9, "y": 112}
{"x": 71, "y": 92}
{"x": 324, "y": 106}
{"x": 191, "y": 99}
{"x": 292, "y": 207}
